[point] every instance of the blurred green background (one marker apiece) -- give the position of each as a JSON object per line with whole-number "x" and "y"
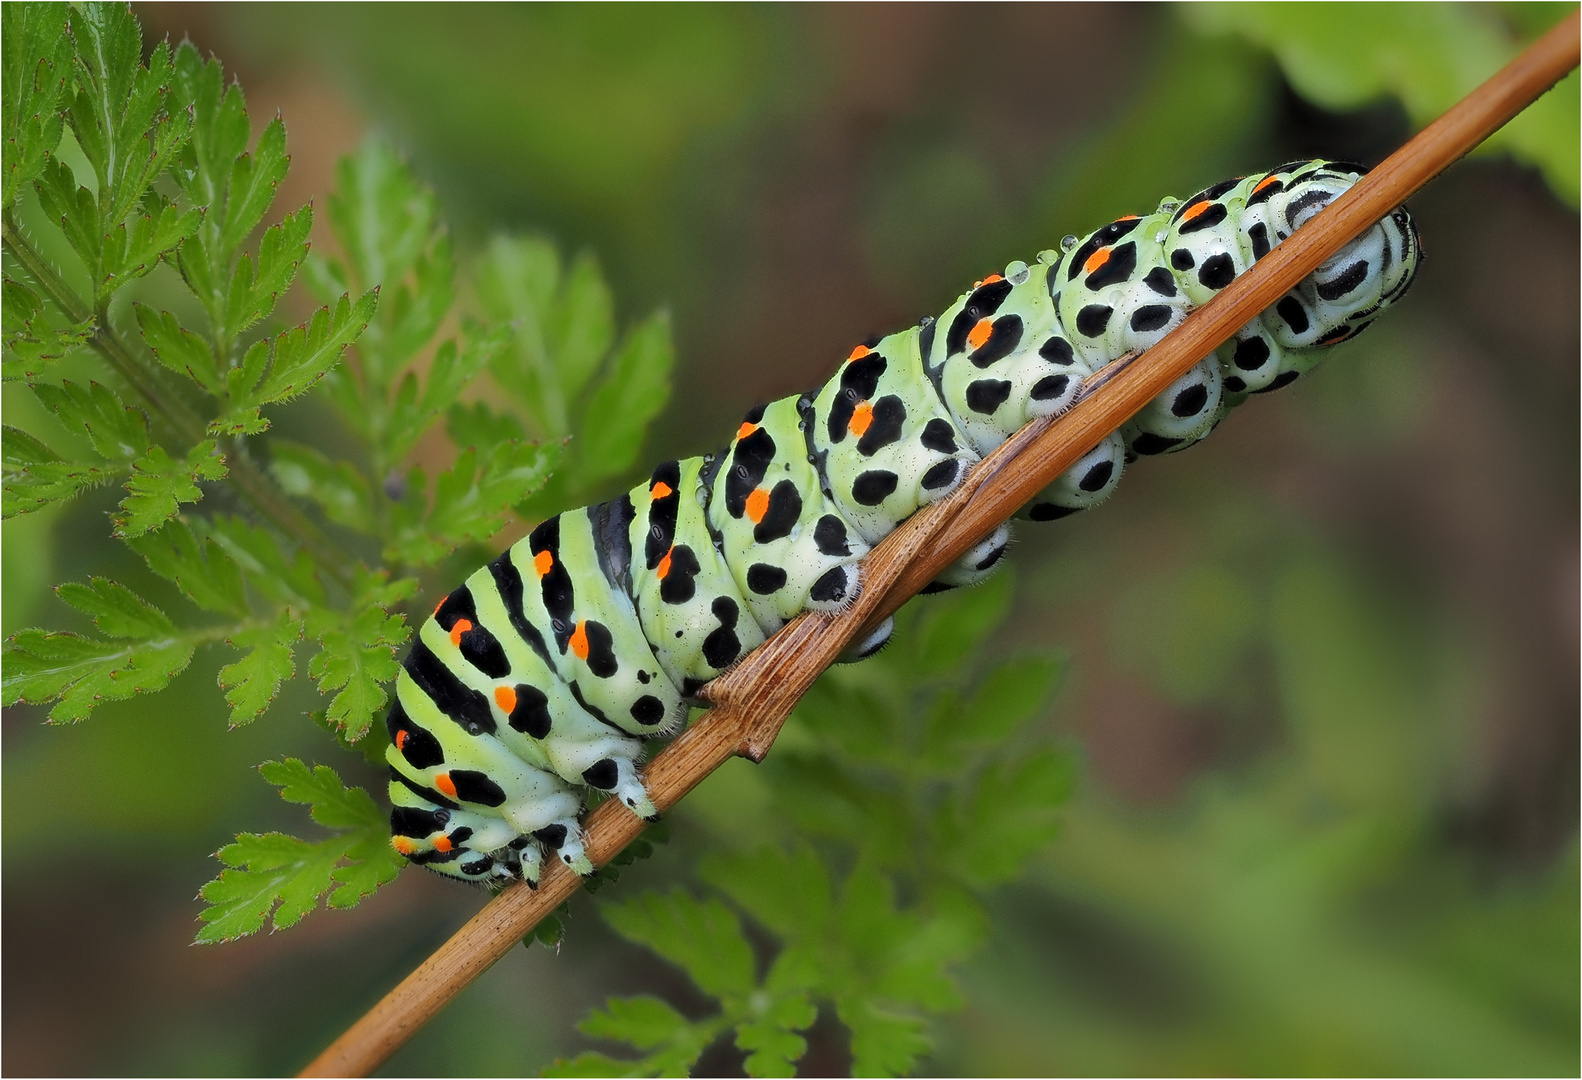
{"x": 1324, "y": 669}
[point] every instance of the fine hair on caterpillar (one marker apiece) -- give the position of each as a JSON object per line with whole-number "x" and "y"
{"x": 544, "y": 673}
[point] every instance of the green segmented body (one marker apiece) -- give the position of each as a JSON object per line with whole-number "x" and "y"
{"x": 548, "y": 669}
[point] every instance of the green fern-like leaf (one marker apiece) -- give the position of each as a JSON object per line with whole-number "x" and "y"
{"x": 274, "y": 872}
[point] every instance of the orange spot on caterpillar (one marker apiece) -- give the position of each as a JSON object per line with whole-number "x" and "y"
{"x": 579, "y": 640}
{"x": 461, "y": 627}
{"x": 543, "y": 562}
{"x": 1096, "y": 260}
{"x": 745, "y": 430}
{"x": 1128, "y": 217}
{"x": 861, "y": 417}
{"x": 990, "y": 280}
{"x": 1265, "y": 182}
{"x": 859, "y": 352}
{"x": 980, "y": 333}
{"x": 402, "y": 844}
{"x": 505, "y": 697}
{"x": 660, "y": 490}
{"x": 1194, "y": 210}
{"x": 445, "y": 784}
{"x": 443, "y": 844}
{"x": 401, "y": 737}
{"x": 664, "y": 566}
{"x": 757, "y": 505}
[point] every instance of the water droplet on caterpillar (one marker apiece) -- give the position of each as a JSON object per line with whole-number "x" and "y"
{"x": 1168, "y": 206}
{"x": 1048, "y": 256}
{"x": 1067, "y": 242}
{"x": 1016, "y": 272}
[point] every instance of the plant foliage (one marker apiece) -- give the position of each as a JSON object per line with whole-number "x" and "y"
{"x": 119, "y": 170}
{"x": 919, "y": 786}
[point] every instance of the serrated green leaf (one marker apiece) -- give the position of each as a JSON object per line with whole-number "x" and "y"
{"x": 517, "y": 281}
{"x": 644, "y": 1021}
{"x": 159, "y": 484}
{"x": 580, "y": 327}
{"x": 118, "y": 433}
{"x": 774, "y": 1051}
{"x": 276, "y": 868}
{"x": 18, "y": 302}
{"x": 116, "y": 610}
{"x": 35, "y": 476}
{"x": 380, "y": 213}
{"x": 33, "y": 345}
{"x": 72, "y": 207}
{"x": 356, "y": 658}
{"x": 476, "y": 424}
{"x": 471, "y": 501}
{"x": 625, "y": 401}
{"x": 771, "y": 1036}
{"x": 1008, "y": 696}
{"x": 178, "y": 349}
{"x": 372, "y": 862}
{"x": 864, "y": 721}
{"x": 203, "y": 572}
{"x": 129, "y": 253}
{"x": 267, "y": 869}
{"x": 252, "y": 682}
{"x": 334, "y": 805}
{"x": 219, "y": 125}
{"x": 949, "y": 627}
{"x": 788, "y": 892}
{"x": 253, "y": 180}
{"x": 283, "y": 574}
{"x": 37, "y": 58}
{"x": 884, "y": 1042}
{"x": 415, "y": 309}
{"x": 1018, "y": 803}
{"x": 378, "y": 587}
{"x": 252, "y": 296}
{"x": 81, "y": 671}
{"x": 326, "y": 278}
{"x": 703, "y": 937}
{"x": 241, "y": 415}
{"x": 118, "y": 114}
{"x": 336, "y": 486}
{"x": 301, "y": 356}
{"x": 450, "y": 371}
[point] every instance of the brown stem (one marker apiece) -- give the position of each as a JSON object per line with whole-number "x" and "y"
{"x": 753, "y": 699}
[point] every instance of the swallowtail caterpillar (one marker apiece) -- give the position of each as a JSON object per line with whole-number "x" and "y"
{"x": 545, "y": 672}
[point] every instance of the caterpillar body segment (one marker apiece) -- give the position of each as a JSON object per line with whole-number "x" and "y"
{"x": 883, "y": 438}
{"x": 542, "y": 676}
{"x": 788, "y": 546}
{"x": 692, "y": 610}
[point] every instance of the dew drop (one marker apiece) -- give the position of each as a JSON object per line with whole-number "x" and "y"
{"x": 1068, "y": 242}
{"x": 1047, "y": 256}
{"x": 1169, "y": 206}
{"x": 1016, "y": 272}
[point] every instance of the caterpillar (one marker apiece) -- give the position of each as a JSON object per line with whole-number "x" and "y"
{"x": 544, "y": 673}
